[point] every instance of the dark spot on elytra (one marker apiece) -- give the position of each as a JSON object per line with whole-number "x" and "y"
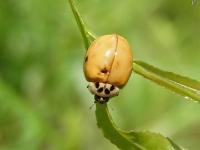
{"x": 97, "y": 85}
{"x": 100, "y": 90}
{"x": 112, "y": 88}
{"x": 107, "y": 91}
{"x": 104, "y": 70}
{"x": 86, "y": 58}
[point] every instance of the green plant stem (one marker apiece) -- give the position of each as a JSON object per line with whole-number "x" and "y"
{"x": 87, "y": 36}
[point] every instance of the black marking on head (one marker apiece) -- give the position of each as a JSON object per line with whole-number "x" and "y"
{"x": 97, "y": 85}
{"x": 97, "y": 98}
{"x": 100, "y": 90}
{"x": 112, "y": 88}
{"x": 86, "y": 58}
{"x": 106, "y": 99}
{"x": 101, "y": 102}
{"x": 107, "y": 91}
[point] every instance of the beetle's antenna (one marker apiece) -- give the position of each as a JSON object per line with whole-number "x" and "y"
{"x": 91, "y": 106}
{"x": 111, "y": 108}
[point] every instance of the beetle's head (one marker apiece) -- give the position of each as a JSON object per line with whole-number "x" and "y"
{"x": 102, "y": 91}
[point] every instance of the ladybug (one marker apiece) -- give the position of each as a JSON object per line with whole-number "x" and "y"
{"x": 107, "y": 67}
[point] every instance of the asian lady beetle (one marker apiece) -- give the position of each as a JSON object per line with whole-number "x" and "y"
{"x": 108, "y": 66}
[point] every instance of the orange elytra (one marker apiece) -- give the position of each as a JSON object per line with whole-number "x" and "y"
{"x": 108, "y": 65}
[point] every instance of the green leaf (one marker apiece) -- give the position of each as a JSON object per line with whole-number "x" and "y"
{"x": 181, "y": 85}
{"x": 130, "y": 140}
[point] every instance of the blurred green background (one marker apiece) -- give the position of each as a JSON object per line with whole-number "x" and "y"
{"x": 44, "y": 102}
